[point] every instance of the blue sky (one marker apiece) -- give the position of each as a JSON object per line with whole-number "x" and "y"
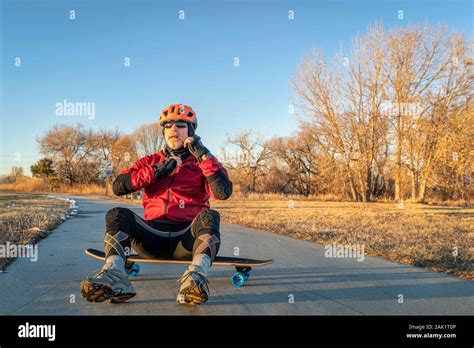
{"x": 187, "y": 61}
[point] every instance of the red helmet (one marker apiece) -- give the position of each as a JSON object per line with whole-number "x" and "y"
{"x": 178, "y": 112}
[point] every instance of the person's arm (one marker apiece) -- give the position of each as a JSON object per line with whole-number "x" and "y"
{"x": 218, "y": 184}
{"x": 142, "y": 174}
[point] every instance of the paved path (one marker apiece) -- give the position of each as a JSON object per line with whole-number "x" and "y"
{"x": 316, "y": 284}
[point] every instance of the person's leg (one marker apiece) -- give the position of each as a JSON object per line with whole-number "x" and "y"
{"x": 202, "y": 244}
{"x": 124, "y": 229}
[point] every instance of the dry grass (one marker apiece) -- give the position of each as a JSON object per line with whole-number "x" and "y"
{"x": 419, "y": 235}
{"x": 26, "y": 218}
{"x": 282, "y": 197}
{"x": 27, "y": 184}
{"x": 89, "y": 189}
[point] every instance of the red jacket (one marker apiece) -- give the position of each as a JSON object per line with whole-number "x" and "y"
{"x": 182, "y": 194}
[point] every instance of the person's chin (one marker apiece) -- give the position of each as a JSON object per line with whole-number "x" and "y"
{"x": 175, "y": 145}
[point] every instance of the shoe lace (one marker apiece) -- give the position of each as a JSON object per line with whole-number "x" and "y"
{"x": 189, "y": 273}
{"x": 101, "y": 273}
{"x": 105, "y": 273}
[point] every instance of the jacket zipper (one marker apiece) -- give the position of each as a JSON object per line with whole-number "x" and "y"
{"x": 169, "y": 194}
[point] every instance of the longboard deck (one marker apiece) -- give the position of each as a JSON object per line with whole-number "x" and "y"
{"x": 218, "y": 261}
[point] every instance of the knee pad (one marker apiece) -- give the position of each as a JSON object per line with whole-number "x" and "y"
{"x": 207, "y": 221}
{"x": 114, "y": 215}
{"x": 118, "y": 219}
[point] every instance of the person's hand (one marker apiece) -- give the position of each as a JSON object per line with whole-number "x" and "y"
{"x": 163, "y": 169}
{"x": 178, "y": 160}
{"x": 195, "y": 147}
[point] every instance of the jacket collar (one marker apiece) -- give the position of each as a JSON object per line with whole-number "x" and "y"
{"x": 186, "y": 156}
{"x": 182, "y": 152}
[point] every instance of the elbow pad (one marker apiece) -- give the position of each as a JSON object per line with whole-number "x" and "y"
{"x": 220, "y": 184}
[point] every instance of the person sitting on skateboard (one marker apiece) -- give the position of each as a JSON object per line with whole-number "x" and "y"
{"x": 178, "y": 222}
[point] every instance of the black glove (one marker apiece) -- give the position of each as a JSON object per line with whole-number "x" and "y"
{"x": 163, "y": 169}
{"x": 197, "y": 149}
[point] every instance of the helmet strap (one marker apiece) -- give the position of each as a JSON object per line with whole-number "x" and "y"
{"x": 191, "y": 130}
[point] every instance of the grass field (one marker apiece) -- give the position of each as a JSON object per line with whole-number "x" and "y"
{"x": 26, "y": 218}
{"x": 440, "y": 238}
{"x": 34, "y": 185}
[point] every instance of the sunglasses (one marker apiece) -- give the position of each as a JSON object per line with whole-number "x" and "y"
{"x": 179, "y": 124}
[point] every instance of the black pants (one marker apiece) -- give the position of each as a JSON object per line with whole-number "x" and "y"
{"x": 161, "y": 238}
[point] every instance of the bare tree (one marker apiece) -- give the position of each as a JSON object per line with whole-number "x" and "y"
{"x": 123, "y": 154}
{"x": 318, "y": 90}
{"x": 147, "y": 139}
{"x": 428, "y": 81}
{"x": 16, "y": 172}
{"x": 250, "y": 159}
{"x": 103, "y": 141}
{"x": 299, "y": 162}
{"x": 452, "y": 174}
{"x": 343, "y": 109}
{"x": 71, "y": 149}
{"x": 392, "y": 100}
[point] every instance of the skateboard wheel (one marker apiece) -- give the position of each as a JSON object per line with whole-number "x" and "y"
{"x": 133, "y": 270}
{"x": 238, "y": 279}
